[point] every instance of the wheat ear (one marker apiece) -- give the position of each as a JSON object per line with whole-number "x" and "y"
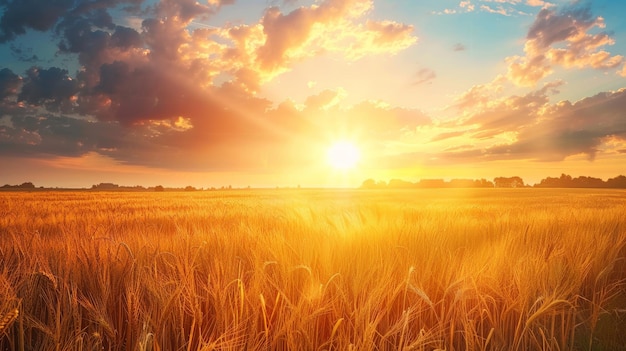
{"x": 8, "y": 318}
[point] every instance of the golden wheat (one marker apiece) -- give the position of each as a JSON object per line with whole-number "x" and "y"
{"x": 487, "y": 269}
{"x": 8, "y": 318}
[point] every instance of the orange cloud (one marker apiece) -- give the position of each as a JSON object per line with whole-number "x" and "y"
{"x": 529, "y": 127}
{"x": 479, "y": 96}
{"x": 570, "y": 29}
{"x": 279, "y": 40}
{"x": 537, "y": 3}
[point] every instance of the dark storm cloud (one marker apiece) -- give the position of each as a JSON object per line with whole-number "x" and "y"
{"x": 125, "y": 38}
{"x": 20, "y": 15}
{"x": 42, "y": 15}
{"x": 9, "y": 83}
{"x": 87, "y": 6}
{"x": 79, "y": 38}
{"x": 52, "y": 87}
{"x": 147, "y": 93}
{"x": 37, "y": 135}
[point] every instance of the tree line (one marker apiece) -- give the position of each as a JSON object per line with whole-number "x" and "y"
{"x": 115, "y": 187}
{"x": 564, "y": 181}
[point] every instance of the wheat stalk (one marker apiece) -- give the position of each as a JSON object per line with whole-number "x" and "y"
{"x": 8, "y": 318}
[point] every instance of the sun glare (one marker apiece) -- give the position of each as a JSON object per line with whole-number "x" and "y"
{"x": 343, "y": 155}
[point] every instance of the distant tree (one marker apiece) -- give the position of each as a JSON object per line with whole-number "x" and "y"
{"x": 511, "y": 182}
{"x": 399, "y": 184}
{"x": 588, "y": 182}
{"x": 368, "y": 184}
{"x": 105, "y": 186}
{"x": 617, "y": 182}
{"x": 190, "y": 188}
{"x": 159, "y": 188}
{"x": 461, "y": 183}
{"x": 27, "y": 185}
{"x": 483, "y": 183}
{"x": 548, "y": 182}
{"x": 432, "y": 183}
{"x": 517, "y": 182}
{"x": 564, "y": 181}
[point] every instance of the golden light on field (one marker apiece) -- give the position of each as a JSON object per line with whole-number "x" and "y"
{"x": 313, "y": 269}
{"x": 343, "y": 155}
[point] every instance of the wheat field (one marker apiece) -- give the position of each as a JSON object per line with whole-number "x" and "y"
{"x": 446, "y": 269}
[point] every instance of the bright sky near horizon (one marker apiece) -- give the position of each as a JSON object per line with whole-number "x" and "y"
{"x": 260, "y": 93}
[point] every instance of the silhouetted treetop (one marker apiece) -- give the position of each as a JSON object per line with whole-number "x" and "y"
{"x": 564, "y": 181}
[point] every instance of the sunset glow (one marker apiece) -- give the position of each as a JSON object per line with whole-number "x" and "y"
{"x": 312, "y": 175}
{"x": 343, "y": 155}
{"x": 250, "y": 92}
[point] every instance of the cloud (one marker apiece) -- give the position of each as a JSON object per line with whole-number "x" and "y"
{"x": 537, "y": 3}
{"x": 528, "y": 127}
{"x": 447, "y": 135}
{"x": 569, "y": 129}
{"x": 186, "y": 10}
{"x": 459, "y": 47}
{"x": 424, "y": 76}
{"x": 51, "y": 87}
{"x": 512, "y": 113}
{"x": 389, "y": 33}
{"x": 175, "y": 95}
{"x": 562, "y": 38}
{"x": 42, "y": 15}
{"x": 499, "y": 10}
{"x": 9, "y": 83}
{"x": 244, "y": 132}
{"x": 479, "y": 96}
{"x": 325, "y": 100}
{"x": 467, "y": 5}
{"x": 385, "y": 122}
{"x": 464, "y": 6}
{"x": 39, "y": 15}
{"x": 331, "y": 26}
{"x": 504, "y": 7}
{"x": 44, "y": 135}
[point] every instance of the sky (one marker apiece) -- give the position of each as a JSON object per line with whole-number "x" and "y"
{"x": 212, "y": 93}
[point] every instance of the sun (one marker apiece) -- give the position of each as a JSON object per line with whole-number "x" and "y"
{"x": 343, "y": 155}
